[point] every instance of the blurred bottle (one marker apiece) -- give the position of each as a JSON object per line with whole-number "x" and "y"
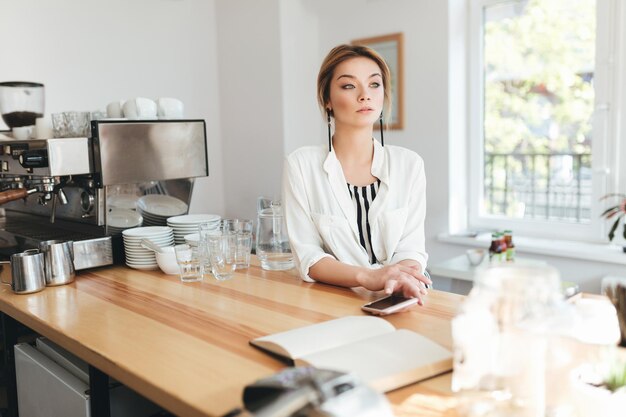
{"x": 493, "y": 248}
{"x": 510, "y": 246}
{"x": 502, "y": 247}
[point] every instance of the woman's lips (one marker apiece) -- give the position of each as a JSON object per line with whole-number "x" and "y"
{"x": 365, "y": 110}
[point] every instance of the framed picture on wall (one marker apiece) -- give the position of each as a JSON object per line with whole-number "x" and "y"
{"x": 391, "y": 48}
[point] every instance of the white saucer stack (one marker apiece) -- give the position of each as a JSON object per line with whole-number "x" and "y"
{"x": 119, "y": 220}
{"x": 136, "y": 255}
{"x": 157, "y": 208}
{"x": 192, "y": 239}
{"x": 123, "y": 201}
{"x": 187, "y": 224}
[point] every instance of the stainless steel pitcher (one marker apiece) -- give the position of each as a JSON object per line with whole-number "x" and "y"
{"x": 59, "y": 261}
{"x": 27, "y": 272}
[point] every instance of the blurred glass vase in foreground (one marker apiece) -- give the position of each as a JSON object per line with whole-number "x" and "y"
{"x": 272, "y": 243}
{"x": 500, "y": 336}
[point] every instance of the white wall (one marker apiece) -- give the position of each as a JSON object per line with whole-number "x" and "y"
{"x": 89, "y": 53}
{"x": 251, "y": 102}
{"x": 300, "y": 55}
{"x": 267, "y": 59}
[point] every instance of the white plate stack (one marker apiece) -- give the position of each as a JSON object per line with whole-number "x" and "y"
{"x": 136, "y": 255}
{"x": 188, "y": 224}
{"x": 192, "y": 239}
{"x": 119, "y": 220}
{"x": 123, "y": 201}
{"x": 157, "y": 208}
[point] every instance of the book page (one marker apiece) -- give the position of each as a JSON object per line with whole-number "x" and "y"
{"x": 388, "y": 361}
{"x": 303, "y": 341}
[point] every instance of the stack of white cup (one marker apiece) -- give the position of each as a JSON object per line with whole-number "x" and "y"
{"x": 145, "y": 108}
{"x": 42, "y": 129}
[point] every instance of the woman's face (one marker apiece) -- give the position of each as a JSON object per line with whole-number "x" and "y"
{"x": 356, "y": 92}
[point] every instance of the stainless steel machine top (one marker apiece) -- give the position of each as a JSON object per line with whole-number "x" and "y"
{"x": 57, "y": 188}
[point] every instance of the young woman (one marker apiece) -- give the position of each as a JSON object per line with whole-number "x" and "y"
{"x": 355, "y": 209}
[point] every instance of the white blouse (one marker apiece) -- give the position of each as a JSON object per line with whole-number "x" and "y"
{"x": 321, "y": 218}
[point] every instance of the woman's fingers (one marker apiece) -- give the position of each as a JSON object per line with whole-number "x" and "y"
{"x": 390, "y": 286}
{"x": 415, "y": 272}
{"x": 401, "y": 279}
{"x": 410, "y": 288}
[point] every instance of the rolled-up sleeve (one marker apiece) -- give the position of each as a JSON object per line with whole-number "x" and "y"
{"x": 306, "y": 243}
{"x": 412, "y": 243}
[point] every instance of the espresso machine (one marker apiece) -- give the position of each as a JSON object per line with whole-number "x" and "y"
{"x": 57, "y": 188}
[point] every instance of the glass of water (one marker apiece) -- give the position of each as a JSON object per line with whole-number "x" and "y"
{"x": 188, "y": 263}
{"x": 222, "y": 249}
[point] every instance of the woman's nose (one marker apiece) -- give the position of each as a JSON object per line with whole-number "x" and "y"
{"x": 364, "y": 96}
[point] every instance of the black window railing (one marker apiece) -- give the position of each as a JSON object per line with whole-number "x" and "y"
{"x": 549, "y": 186}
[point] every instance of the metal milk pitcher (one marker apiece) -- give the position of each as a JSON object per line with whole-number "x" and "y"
{"x": 26, "y": 270}
{"x": 59, "y": 261}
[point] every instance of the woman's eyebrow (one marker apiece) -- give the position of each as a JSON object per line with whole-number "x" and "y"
{"x": 352, "y": 76}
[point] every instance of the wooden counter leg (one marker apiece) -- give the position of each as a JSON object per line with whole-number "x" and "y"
{"x": 99, "y": 393}
{"x": 9, "y": 339}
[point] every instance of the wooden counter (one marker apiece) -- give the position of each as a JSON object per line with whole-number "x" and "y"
{"x": 185, "y": 346}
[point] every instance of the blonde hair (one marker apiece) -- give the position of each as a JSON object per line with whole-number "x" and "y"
{"x": 341, "y": 53}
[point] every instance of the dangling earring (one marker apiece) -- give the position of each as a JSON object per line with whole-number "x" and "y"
{"x": 329, "y": 137}
{"x": 380, "y": 120}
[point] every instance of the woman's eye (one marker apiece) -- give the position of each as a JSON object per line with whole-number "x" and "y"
{"x": 347, "y": 87}
{"x": 375, "y": 85}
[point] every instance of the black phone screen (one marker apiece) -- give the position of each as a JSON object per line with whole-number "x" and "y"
{"x": 387, "y": 302}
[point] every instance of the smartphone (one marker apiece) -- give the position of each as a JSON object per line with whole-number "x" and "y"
{"x": 389, "y": 304}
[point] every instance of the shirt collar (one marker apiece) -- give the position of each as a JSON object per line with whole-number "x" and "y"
{"x": 379, "y": 162}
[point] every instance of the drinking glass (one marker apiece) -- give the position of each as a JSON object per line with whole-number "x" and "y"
{"x": 204, "y": 230}
{"x": 59, "y": 125}
{"x": 243, "y": 230}
{"x": 244, "y": 243}
{"x": 222, "y": 249}
{"x": 228, "y": 225}
{"x": 189, "y": 263}
{"x": 78, "y": 123}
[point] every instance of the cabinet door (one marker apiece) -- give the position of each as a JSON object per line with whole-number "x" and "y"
{"x": 45, "y": 389}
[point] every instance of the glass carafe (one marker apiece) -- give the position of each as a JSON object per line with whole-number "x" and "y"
{"x": 272, "y": 243}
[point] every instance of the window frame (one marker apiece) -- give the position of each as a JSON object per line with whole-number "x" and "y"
{"x": 605, "y": 125}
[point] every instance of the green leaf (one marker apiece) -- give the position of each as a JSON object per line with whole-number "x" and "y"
{"x": 605, "y": 212}
{"x": 604, "y": 197}
{"x": 614, "y": 213}
{"x": 612, "y": 231}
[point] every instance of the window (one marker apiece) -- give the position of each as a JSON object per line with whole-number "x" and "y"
{"x": 540, "y": 115}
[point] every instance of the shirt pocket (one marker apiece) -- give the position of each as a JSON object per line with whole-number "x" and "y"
{"x": 392, "y": 224}
{"x": 335, "y": 232}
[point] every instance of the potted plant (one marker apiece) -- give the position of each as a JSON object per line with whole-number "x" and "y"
{"x": 617, "y": 294}
{"x": 617, "y": 213}
{"x": 600, "y": 393}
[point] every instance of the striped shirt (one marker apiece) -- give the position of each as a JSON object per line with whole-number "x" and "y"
{"x": 363, "y": 198}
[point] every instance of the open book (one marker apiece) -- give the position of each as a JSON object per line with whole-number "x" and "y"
{"x": 370, "y": 347}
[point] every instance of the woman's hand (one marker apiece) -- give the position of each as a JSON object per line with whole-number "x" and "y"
{"x": 405, "y": 279}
